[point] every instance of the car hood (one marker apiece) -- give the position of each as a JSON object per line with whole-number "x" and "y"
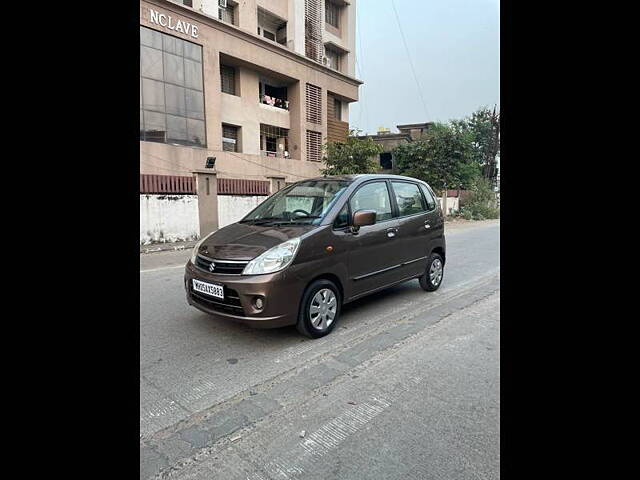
{"x": 243, "y": 241}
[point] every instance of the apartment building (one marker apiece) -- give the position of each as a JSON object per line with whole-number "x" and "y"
{"x": 258, "y": 84}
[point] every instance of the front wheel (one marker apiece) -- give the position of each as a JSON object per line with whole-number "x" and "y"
{"x": 431, "y": 279}
{"x": 319, "y": 309}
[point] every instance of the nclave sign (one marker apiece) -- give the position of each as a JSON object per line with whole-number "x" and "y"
{"x": 176, "y": 25}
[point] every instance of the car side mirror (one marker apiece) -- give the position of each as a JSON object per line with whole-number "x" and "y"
{"x": 362, "y": 218}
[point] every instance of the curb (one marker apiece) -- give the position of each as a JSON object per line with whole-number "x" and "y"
{"x": 166, "y": 248}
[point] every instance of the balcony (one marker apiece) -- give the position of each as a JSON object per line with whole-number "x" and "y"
{"x": 274, "y": 141}
{"x": 273, "y": 93}
{"x": 274, "y": 102}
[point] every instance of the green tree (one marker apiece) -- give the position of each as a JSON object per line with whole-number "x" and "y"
{"x": 443, "y": 158}
{"x": 483, "y": 126}
{"x": 351, "y": 157}
{"x": 481, "y": 203}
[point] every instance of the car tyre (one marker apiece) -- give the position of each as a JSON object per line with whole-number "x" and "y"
{"x": 319, "y": 309}
{"x": 432, "y": 277}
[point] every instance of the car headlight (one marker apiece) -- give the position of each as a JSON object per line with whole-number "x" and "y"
{"x": 194, "y": 253}
{"x": 274, "y": 259}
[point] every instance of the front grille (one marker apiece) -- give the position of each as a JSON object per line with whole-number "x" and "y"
{"x": 230, "y": 304}
{"x": 221, "y": 266}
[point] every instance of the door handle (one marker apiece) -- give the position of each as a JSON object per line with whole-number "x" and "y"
{"x": 391, "y": 232}
{"x": 427, "y": 225}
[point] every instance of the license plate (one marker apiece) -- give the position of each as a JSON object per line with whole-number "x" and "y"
{"x": 208, "y": 289}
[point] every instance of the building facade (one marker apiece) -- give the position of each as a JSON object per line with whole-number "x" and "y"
{"x": 258, "y": 84}
{"x": 406, "y": 133}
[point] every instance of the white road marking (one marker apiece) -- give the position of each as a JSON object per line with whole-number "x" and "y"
{"x": 319, "y": 443}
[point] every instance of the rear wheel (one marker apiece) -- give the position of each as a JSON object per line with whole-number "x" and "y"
{"x": 431, "y": 279}
{"x": 319, "y": 309}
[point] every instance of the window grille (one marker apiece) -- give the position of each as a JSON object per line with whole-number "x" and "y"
{"x": 314, "y": 104}
{"x": 314, "y": 146}
{"x": 226, "y": 14}
{"x": 229, "y": 138}
{"x": 274, "y": 141}
{"x": 312, "y": 30}
{"x": 332, "y": 14}
{"x": 333, "y": 58}
{"x": 228, "y": 79}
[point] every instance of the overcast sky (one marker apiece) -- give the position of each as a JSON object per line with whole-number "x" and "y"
{"x": 455, "y": 49}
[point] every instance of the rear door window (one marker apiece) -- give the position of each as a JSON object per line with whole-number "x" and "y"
{"x": 408, "y": 198}
{"x": 373, "y": 196}
{"x": 431, "y": 202}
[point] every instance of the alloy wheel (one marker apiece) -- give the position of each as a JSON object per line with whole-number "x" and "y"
{"x": 322, "y": 310}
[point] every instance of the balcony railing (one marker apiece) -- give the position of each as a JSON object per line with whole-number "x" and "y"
{"x": 267, "y": 153}
{"x": 274, "y": 102}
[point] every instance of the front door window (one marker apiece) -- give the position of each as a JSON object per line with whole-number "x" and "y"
{"x": 373, "y": 196}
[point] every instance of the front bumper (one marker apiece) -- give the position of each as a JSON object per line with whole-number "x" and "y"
{"x": 281, "y": 292}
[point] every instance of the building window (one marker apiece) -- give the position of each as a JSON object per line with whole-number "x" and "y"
{"x": 228, "y": 79}
{"x": 332, "y": 14}
{"x": 272, "y": 27}
{"x": 188, "y": 3}
{"x": 334, "y": 108}
{"x": 314, "y": 146}
{"x": 334, "y": 58}
{"x": 171, "y": 90}
{"x": 314, "y": 104}
{"x": 274, "y": 141}
{"x": 273, "y": 93}
{"x": 230, "y": 138}
{"x": 386, "y": 161}
{"x": 227, "y": 14}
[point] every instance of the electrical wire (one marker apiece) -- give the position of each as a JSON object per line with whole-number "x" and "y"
{"x": 360, "y": 67}
{"x": 404, "y": 41}
{"x": 190, "y": 169}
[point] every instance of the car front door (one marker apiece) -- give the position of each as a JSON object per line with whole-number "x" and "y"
{"x": 373, "y": 259}
{"x": 414, "y": 229}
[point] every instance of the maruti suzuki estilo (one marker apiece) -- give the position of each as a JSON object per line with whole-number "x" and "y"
{"x": 315, "y": 246}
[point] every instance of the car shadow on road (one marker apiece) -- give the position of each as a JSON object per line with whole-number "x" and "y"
{"x": 352, "y": 316}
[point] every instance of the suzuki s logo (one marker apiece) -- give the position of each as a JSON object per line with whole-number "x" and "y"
{"x": 212, "y": 267}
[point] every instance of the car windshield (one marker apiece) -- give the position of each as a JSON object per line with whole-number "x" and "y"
{"x": 305, "y": 202}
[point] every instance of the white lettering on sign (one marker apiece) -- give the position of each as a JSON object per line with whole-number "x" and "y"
{"x": 166, "y": 21}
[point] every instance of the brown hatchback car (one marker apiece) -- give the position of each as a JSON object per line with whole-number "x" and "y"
{"x": 316, "y": 245}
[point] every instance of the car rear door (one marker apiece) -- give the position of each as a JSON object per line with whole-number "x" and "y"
{"x": 373, "y": 256}
{"x": 414, "y": 229}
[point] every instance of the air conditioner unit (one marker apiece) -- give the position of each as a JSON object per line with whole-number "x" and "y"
{"x": 222, "y": 3}
{"x": 325, "y": 60}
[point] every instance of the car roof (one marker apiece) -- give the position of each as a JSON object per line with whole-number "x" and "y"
{"x": 363, "y": 177}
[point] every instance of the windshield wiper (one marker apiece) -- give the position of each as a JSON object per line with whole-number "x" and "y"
{"x": 278, "y": 220}
{"x": 262, "y": 220}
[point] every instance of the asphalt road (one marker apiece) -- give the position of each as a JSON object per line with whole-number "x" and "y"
{"x": 407, "y": 386}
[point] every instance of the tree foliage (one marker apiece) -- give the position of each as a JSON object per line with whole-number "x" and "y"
{"x": 483, "y": 126}
{"x": 480, "y": 204}
{"x": 443, "y": 158}
{"x": 351, "y": 157}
